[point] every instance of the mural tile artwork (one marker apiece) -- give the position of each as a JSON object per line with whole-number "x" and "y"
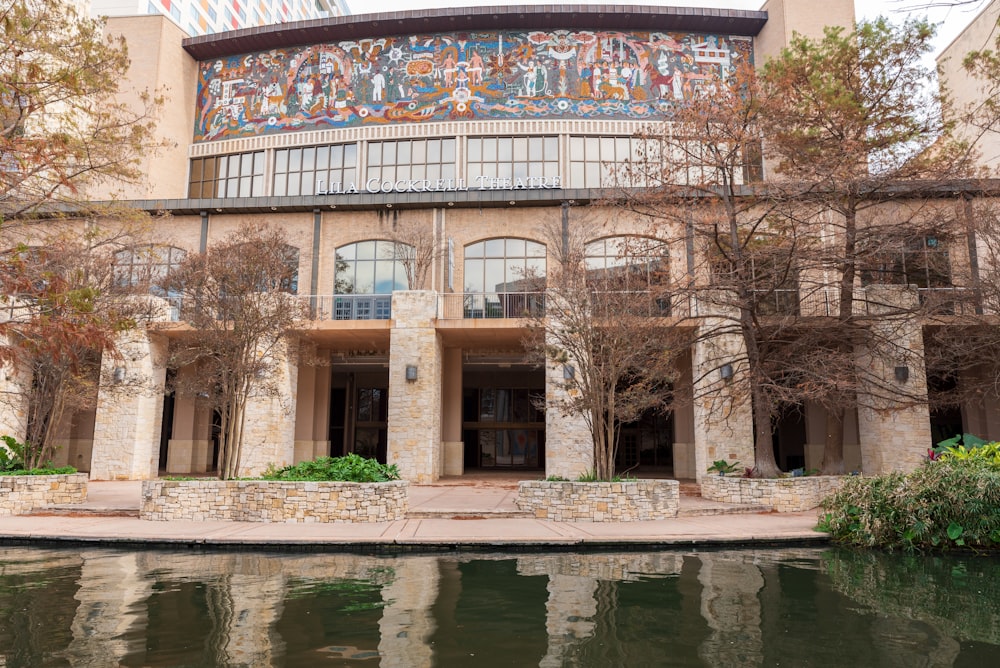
{"x": 447, "y": 77}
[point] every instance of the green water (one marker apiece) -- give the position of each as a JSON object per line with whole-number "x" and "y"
{"x": 797, "y": 607}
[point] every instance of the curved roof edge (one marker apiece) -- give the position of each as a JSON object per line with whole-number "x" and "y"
{"x": 593, "y": 17}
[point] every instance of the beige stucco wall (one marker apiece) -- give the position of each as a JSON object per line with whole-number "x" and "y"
{"x": 805, "y": 17}
{"x": 158, "y": 66}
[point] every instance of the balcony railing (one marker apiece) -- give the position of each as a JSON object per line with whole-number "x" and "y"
{"x": 350, "y": 307}
{"x": 491, "y": 305}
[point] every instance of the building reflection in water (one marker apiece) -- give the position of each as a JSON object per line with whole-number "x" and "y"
{"x": 726, "y": 608}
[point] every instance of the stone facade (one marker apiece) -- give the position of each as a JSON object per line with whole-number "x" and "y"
{"x": 627, "y": 501}
{"x": 21, "y": 494}
{"x": 270, "y": 501}
{"x": 785, "y": 495}
{"x": 269, "y": 423}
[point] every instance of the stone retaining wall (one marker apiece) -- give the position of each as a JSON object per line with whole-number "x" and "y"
{"x": 21, "y": 494}
{"x": 270, "y": 501}
{"x": 627, "y": 501}
{"x": 785, "y": 495}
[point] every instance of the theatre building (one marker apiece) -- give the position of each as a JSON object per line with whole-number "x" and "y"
{"x": 474, "y": 131}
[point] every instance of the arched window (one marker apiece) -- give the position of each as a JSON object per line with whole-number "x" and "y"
{"x": 371, "y": 271}
{"x": 631, "y": 264}
{"x": 147, "y": 267}
{"x": 504, "y": 278}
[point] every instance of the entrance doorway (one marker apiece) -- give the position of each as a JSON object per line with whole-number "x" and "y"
{"x": 359, "y": 413}
{"x": 503, "y": 419}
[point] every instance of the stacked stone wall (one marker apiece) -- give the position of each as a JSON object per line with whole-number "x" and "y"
{"x": 21, "y": 494}
{"x": 785, "y": 495}
{"x": 269, "y": 501}
{"x": 627, "y": 501}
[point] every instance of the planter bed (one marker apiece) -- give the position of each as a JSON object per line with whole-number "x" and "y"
{"x": 627, "y": 501}
{"x": 273, "y": 501}
{"x": 785, "y": 495}
{"x": 21, "y": 494}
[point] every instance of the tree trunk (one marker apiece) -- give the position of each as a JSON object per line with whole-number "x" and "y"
{"x": 764, "y": 464}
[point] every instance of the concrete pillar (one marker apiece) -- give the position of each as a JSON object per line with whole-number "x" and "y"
{"x": 128, "y": 423}
{"x": 451, "y": 413}
{"x": 269, "y": 426}
{"x": 683, "y": 451}
{"x": 407, "y": 622}
{"x": 723, "y": 415}
{"x": 893, "y": 417}
{"x": 312, "y": 412}
{"x": 414, "y": 420}
{"x": 189, "y": 449}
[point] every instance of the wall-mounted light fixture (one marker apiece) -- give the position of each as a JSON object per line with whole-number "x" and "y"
{"x": 118, "y": 375}
{"x": 569, "y": 372}
{"x": 726, "y": 371}
{"x": 411, "y": 372}
{"x": 902, "y": 373}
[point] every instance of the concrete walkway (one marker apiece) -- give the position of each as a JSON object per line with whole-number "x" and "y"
{"x": 442, "y": 516}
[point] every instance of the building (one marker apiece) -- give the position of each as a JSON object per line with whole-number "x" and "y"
{"x": 479, "y": 128}
{"x": 204, "y": 17}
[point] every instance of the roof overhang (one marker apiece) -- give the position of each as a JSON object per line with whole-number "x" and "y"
{"x": 518, "y": 17}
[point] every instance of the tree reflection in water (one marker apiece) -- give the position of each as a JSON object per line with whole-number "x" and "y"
{"x": 716, "y": 608}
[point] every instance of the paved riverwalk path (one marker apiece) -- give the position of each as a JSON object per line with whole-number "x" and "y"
{"x": 450, "y": 515}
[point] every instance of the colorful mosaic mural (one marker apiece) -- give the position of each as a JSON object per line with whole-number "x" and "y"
{"x": 442, "y": 77}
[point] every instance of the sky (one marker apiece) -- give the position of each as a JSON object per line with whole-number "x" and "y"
{"x": 951, "y": 20}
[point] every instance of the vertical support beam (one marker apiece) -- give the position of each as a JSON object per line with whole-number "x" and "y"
{"x": 893, "y": 416}
{"x": 569, "y": 443}
{"x": 189, "y": 449}
{"x": 269, "y": 427}
{"x": 414, "y": 424}
{"x": 451, "y": 413}
{"x": 723, "y": 416}
{"x": 129, "y": 415}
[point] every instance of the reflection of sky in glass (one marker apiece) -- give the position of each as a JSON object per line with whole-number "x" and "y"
{"x": 369, "y": 268}
{"x": 503, "y": 265}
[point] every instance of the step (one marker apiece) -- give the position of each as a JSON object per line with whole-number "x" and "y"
{"x": 727, "y": 509}
{"x": 431, "y": 514}
{"x": 78, "y": 511}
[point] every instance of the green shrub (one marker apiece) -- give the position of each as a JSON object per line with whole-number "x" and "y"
{"x": 11, "y": 454}
{"x": 987, "y": 453}
{"x": 949, "y": 503}
{"x": 62, "y": 470}
{"x": 350, "y": 468}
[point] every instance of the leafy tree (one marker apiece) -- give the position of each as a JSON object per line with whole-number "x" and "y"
{"x": 65, "y": 309}
{"x": 62, "y": 128}
{"x": 236, "y": 299}
{"x": 854, "y": 123}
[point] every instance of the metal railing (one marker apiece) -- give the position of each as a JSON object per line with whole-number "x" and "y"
{"x": 350, "y": 307}
{"x": 491, "y": 305}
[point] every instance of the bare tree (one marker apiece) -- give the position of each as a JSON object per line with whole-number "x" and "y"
{"x": 415, "y": 247}
{"x": 237, "y": 297}
{"x": 602, "y": 323}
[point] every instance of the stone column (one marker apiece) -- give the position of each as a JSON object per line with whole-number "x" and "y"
{"x": 723, "y": 415}
{"x": 269, "y": 422}
{"x": 414, "y": 420}
{"x": 569, "y": 443}
{"x": 128, "y": 423}
{"x": 893, "y": 417}
{"x": 189, "y": 449}
{"x": 13, "y": 379}
{"x": 312, "y": 413}
{"x": 451, "y": 414}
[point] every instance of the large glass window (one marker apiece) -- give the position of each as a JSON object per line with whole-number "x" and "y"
{"x": 298, "y": 171}
{"x": 414, "y": 159}
{"x": 922, "y": 262}
{"x": 512, "y": 158}
{"x": 770, "y": 271}
{"x": 608, "y": 162}
{"x": 236, "y": 175}
{"x": 147, "y": 267}
{"x": 504, "y": 278}
{"x": 635, "y": 265}
{"x": 371, "y": 268}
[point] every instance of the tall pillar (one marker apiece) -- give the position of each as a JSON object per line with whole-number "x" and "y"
{"x": 415, "y": 380}
{"x": 128, "y": 423}
{"x": 451, "y": 414}
{"x": 723, "y": 415}
{"x": 569, "y": 443}
{"x": 893, "y": 418}
{"x": 189, "y": 449}
{"x": 312, "y": 413}
{"x": 269, "y": 422}
{"x": 13, "y": 400}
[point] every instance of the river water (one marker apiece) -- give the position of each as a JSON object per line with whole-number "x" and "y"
{"x": 787, "y": 607}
